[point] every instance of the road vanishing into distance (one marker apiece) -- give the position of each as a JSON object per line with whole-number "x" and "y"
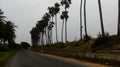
{"x": 27, "y": 58}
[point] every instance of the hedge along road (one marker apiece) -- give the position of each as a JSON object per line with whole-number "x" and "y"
{"x": 27, "y": 58}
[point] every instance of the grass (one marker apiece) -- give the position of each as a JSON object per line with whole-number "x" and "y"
{"x": 108, "y": 44}
{"x": 5, "y": 56}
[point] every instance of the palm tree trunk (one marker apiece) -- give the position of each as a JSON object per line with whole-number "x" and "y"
{"x": 42, "y": 38}
{"x": 101, "y": 18}
{"x": 51, "y": 34}
{"x": 85, "y": 18}
{"x": 66, "y": 31}
{"x": 62, "y": 31}
{"x": 65, "y": 28}
{"x": 46, "y": 35}
{"x": 118, "y": 18}
{"x": 81, "y": 20}
{"x": 49, "y": 40}
{"x": 56, "y": 27}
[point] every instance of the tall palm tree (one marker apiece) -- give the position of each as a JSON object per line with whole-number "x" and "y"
{"x": 81, "y": 19}
{"x": 34, "y": 36}
{"x": 85, "y": 18}
{"x": 62, "y": 18}
{"x": 66, "y": 3}
{"x": 56, "y": 10}
{"x": 101, "y": 18}
{"x": 51, "y": 12}
{"x": 46, "y": 19}
{"x": 118, "y": 18}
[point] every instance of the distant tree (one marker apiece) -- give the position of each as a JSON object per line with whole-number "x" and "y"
{"x": 34, "y": 36}
{"x": 46, "y": 19}
{"x": 39, "y": 32}
{"x": 101, "y": 18}
{"x": 25, "y": 45}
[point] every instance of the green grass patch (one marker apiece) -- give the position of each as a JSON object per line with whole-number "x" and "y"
{"x": 5, "y": 56}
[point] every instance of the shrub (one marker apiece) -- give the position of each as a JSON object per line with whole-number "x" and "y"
{"x": 86, "y": 38}
{"x": 100, "y": 41}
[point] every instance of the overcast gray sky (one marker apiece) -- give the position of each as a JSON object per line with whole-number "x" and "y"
{"x": 26, "y": 13}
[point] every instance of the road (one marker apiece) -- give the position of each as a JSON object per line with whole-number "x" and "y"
{"x": 27, "y": 58}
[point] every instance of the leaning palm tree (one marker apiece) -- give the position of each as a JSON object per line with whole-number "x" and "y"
{"x": 81, "y": 19}
{"x": 56, "y": 10}
{"x": 66, "y": 3}
{"x": 51, "y": 12}
{"x": 118, "y": 18}
{"x": 101, "y": 18}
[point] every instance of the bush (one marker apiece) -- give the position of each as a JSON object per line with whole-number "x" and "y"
{"x": 3, "y": 48}
{"x": 86, "y": 38}
{"x": 100, "y": 41}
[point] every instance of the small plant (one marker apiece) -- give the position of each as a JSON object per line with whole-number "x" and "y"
{"x": 86, "y": 38}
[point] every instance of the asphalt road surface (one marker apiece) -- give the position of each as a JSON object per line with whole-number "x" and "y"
{"x": 26, "y": 58}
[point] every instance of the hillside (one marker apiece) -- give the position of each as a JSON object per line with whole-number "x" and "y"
{"x": 100, "y": 50}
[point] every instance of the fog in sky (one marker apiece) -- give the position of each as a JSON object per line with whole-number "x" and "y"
{"x": 26, "y": 13}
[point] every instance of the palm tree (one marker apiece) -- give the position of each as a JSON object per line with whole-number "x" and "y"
{"x": 81, "y": 19}
{"x": 51, "y": 12}
{"x": 10, "y": 33}
{"x": 34, "y": 36}
{"x": 2, "y": 27}
{"x": 66, "y": 3}
{"x": 118, "y": 17}
{"x": 85, "y": 18}
{"x": 46, "y": 19}
{"x": 1, "y": 15}
{"x": 62, "y": 18}
{"x": 56, "y": 10}
{"x": 101, "y": 18}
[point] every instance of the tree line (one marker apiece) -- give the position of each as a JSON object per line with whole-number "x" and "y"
{"x": 7, "y": 32}
{"x": 43, "y": 29}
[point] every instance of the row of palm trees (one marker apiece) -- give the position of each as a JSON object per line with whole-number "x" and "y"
{"x": 7, "y": 31}
{"x": 53, "y": 11}
{"x": 43, "y": 29}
